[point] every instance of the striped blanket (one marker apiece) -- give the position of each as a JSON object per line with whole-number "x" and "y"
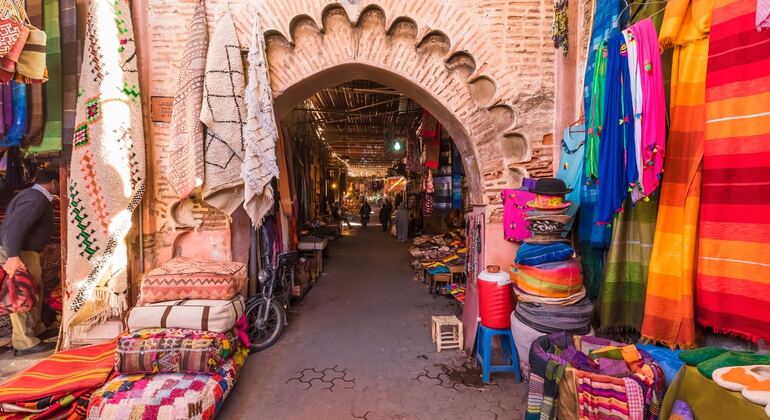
{"x": 733, "y": 283}
{"x": 628, "y": 260}
{"x": 55, "y": 385}
{"x": 669, "y": 308}
{"x": 606, "y": 397}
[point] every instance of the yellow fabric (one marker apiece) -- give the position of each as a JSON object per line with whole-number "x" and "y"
{"x": 568, "y": 403}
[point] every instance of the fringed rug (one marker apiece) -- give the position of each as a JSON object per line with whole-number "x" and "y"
{"x": 259, "y": 165}
{"x": 107, "y": 171}
{"x": 224, "y": 114}
{"x": 732, "y": 290}
{"x": 185, "y": 154}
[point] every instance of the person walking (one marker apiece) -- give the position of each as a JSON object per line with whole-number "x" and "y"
{"x": 24, "y": 233}
{"x": 365, "y": 212}
{"x": 402, "y": 223}
{"x": 385, "y": 211}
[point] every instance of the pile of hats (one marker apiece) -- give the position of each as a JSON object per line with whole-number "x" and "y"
{"x": 547, "y": 277}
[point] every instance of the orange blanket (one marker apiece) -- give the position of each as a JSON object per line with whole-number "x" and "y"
{"x": 669, "y": 308}
{"x": 66, "y": 373}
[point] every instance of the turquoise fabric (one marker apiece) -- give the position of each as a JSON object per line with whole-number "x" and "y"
{"x": 571, "y": 165}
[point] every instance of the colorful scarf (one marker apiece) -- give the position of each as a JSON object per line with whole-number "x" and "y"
{"x": 571, "y": 166}
{"x": 606, "y": 397}
{"x": 224, "y": 114}
{"x": 596, "y": 112}
{"x": 653, "y": 125}
{"x": 546, "y": 371}
{"x": 625, "y": 282}
{"x": 107, "y": 171}
{"x": 617, "y": 158}
{"x": 52, "y": 385}
{"x": 732, "y": 294}
{"x": 259, "y": 164}
{"x": 669, "y": 312}
{"x": 430, "y": 132}
{"x": 185, "y": 150}
{"x": 605, "y": 22}
{"x": 52, "y": 133}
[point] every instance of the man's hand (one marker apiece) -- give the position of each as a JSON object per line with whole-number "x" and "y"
{"x": 13, "y": 265}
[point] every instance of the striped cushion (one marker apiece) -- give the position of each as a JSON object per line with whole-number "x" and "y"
{"x": 534, "y": 254}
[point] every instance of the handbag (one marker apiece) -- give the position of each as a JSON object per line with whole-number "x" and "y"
{"x": 31, "y": 64}
{"x": 18, "y": 293}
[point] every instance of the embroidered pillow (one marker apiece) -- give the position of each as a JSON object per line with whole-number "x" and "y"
{"x": 188, "y": 278}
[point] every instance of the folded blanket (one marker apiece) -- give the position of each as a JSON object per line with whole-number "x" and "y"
{"x": 174, "y": 350}
{"x": 58, "y": 381}
{"x": 550, "y": 318}
{"x": 165, "y": 395}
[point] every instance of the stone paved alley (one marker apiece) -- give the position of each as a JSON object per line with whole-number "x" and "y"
{"x": 359, "y": 346}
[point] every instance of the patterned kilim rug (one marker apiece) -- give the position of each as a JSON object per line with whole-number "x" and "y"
{"x": 224, "y": 114}
{"x": 185, "y": 154}
{"x": 107, "y": 171}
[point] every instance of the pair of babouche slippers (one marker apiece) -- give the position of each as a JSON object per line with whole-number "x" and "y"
{"x": 751, "y": 381}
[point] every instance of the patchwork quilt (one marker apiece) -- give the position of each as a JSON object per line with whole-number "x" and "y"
{"x": 174, "y": 350}
{"x": 164, "y": 395}
{"x": 188, "y": 278}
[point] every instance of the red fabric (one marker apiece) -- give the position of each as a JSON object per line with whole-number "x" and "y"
{"x": 18, "y": 293}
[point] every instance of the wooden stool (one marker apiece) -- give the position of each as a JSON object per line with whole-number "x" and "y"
{"x": 445, "y": 278}
{"x": 447, "y": 340}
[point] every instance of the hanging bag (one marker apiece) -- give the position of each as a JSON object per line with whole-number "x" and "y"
{"x": 12, "y": 19}
{"x": 31, "y": 65}
{"x": 18, "y": 293}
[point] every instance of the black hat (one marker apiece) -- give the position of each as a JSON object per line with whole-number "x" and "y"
{"x": 550, "y": 186}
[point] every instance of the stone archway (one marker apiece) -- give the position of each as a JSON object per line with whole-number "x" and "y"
{"x": 431, "y": 50}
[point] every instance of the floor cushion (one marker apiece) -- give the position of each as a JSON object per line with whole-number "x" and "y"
{"x": 188, "y": 278}
{"x": 195, "y": 314}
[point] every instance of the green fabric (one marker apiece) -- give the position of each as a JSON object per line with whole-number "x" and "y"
{"x": 708, "y": 400}
{"x": 697, "y": 356}
{"x": 597, "y": 112}
{"x": 52, "y": 134}
{"x": 624, "y": 291}
{"x": 732, "y": 358}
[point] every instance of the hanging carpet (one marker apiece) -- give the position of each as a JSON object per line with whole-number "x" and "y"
{"x": 107, "y": 171}
{"x": 732, "y": 289}
{"x": 185, "y": 150}
{"x": 259, "y": 164}
{"x": 224, "y": 114}
{"x": 669, "y": 310}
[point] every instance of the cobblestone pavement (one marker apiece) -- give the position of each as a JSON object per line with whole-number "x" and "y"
{"x": 359, "y": 347}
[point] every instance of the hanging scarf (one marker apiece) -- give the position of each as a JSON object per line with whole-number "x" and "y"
{"x": 669, "y": 311}
{"x": 431, "y": 140}
{"x": 605, "y": 23}
{"x": 653, "y": 125}
{"x": 571, "y": 167}
{"x": 69, "y": 67}
{"x": 18, "y": 127}
{"x": 732, "y": 294}
{"x": 596, "y": 113}
{"x": 628, "y": 260}
{"x": 617, "y": 166}
{"x": 52, "y": 133}
{"x": 635, "y": 85}
{"x": 107, "y": 171}
{"x": 259, "y": 164}
{"x": 224, "y": 114}
{"x": 413, "y": 153}
{"x": 185, "y": 150}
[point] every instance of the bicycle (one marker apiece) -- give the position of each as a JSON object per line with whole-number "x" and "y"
{"x": 266, "y": 311}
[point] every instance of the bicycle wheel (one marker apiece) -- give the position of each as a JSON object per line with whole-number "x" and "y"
{"x": 264, "y": 331}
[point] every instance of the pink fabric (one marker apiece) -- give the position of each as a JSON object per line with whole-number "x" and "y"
{"x": 763, "y": 14}
{"x": 242, "y": 327}
{"x": 514, "y": 213}
{"x": 654, "y": 105}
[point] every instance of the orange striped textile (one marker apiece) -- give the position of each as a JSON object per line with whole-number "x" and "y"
{"x": 67, "y": 372}
{"x": 669, "y": 307}
{"x": 733, "y": 282}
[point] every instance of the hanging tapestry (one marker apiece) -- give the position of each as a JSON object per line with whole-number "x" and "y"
{"x": 107, "y": 171}
{"x": 259, "y": 164}
{"x": 224, "y": 114}
{"x": 732, "y": 294}
{"x": 52, "y": 132}
{"x": 431, "y": 139}
{"x": 185, "y": 150}
{"x": 628, "y": 260}
{"x": 668, "y": 310}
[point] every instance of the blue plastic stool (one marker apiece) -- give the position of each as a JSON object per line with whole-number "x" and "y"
{"x": 484, "y": 352}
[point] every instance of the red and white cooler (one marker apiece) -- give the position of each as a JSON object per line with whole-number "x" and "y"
{"x": 495, "y": 298}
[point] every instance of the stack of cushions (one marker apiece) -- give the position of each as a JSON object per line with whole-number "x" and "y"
{"x": 185, "y": 344}
{"x": 547, "y": 278}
